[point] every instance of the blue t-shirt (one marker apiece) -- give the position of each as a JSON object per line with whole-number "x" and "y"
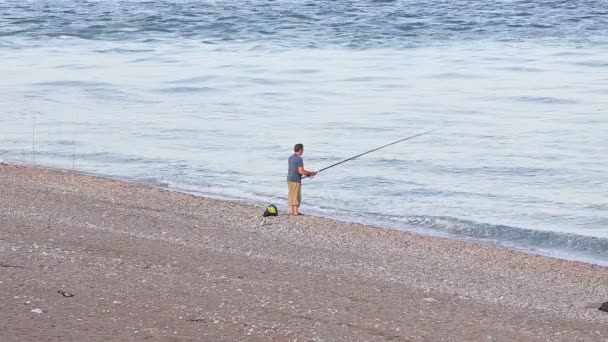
{"x": 293, "y": 175}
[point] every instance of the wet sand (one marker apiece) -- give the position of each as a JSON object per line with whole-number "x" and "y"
{"x": 91, "y": 259}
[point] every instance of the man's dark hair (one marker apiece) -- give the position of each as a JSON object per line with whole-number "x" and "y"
{"x": 298, "y": 147}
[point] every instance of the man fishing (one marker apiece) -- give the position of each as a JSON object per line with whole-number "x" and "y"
{"x": 294, "y": 178}
{"x": 296, "y": 169}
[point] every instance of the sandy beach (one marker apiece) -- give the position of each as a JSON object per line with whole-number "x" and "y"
{"x": 84, "y": 258}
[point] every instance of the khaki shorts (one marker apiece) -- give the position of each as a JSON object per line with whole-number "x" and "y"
{"x": 295, "y": 193}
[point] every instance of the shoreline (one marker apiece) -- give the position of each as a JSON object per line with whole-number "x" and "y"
{"x": 188, "y": 256}
{"x": 559, "y": 254}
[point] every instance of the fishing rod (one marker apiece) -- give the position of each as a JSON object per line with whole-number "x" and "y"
{"x": 381, "y": 147}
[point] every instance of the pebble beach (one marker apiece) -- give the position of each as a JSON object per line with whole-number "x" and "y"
{"x": 84, "y": 258}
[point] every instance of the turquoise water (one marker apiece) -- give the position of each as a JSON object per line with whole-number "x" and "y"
{"x": 209, "y": 97}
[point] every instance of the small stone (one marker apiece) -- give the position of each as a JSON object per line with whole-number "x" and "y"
{"x": 429, "y": 299}
{"x": 37, "y": 311}
{"x": 117, "y": 302}
{"x": 604, "y": 307}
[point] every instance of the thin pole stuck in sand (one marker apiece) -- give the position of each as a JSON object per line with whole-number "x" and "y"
{"x": 74, "y": 142}
{"x": 34, "y": 139}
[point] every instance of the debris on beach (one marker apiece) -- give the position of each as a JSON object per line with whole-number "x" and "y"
{"x": 604, "y": 307}
{"x": 65, "y": 294}
{"x": 197, "y": 320}
{"x": 37, "y": 311}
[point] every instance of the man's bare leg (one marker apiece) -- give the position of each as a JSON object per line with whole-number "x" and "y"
{"x": 295, "y": 210}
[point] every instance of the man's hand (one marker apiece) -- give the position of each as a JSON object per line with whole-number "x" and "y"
{"x": 310, "y": 174}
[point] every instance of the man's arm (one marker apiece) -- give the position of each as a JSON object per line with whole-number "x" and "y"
{"x": 305, "y": 173}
